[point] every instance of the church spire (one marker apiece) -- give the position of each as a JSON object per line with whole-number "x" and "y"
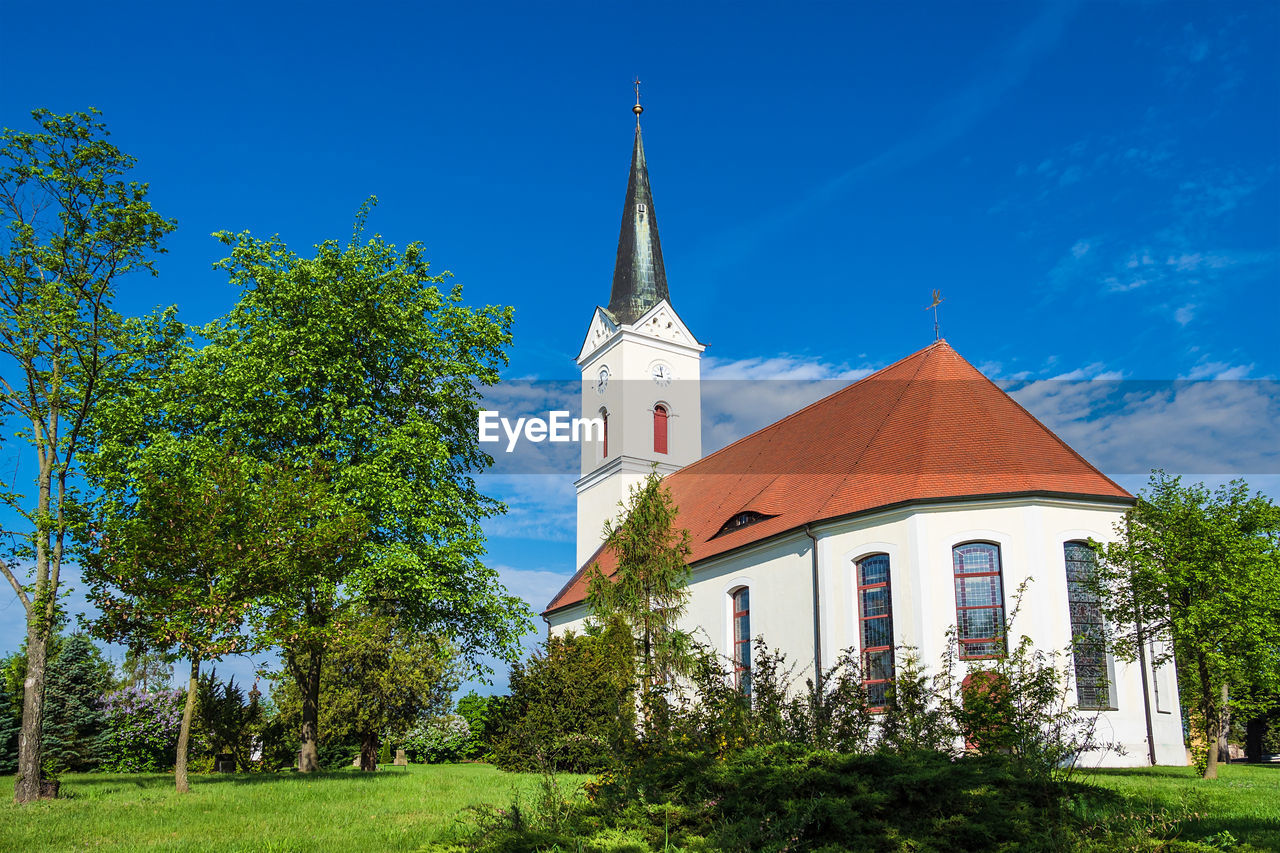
{"x": 639, "y": 279}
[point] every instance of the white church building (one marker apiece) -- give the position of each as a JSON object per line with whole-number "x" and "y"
{"x": 918, "y": 498}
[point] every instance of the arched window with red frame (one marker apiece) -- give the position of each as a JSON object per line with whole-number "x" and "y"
{"x": 875, "y": 621}
{"x": 659, "y": 428}
{"x": 604, "y": 416}
{"x": 741, "y": 600}
{"x": 979, "y": 600}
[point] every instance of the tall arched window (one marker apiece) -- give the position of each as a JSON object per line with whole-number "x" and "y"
{"x": 659, "y": 428}
{"x": 742, "y": 639}
{"x": 875, "y": 617}
{"x": 1088, "y": 644}
{"x": 604, "y": 416}
{"x": 979, "y": 600}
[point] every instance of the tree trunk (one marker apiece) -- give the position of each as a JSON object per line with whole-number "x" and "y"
{"x": 27, "y": 787}
{"x": 309, "y": 759}
{"x": 369, "y": 751}
{"x": 184, "y": 733}
{"x": 1210, "y": 709}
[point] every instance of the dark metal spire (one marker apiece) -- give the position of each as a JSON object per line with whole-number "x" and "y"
{"x": 639, "y": 279}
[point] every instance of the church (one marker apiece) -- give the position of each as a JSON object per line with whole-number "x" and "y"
{"x": 918, "y": 498}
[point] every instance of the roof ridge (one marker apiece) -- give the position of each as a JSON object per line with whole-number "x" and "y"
{"x": 818, "y": 402}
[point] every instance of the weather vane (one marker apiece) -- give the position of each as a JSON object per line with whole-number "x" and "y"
{"x": 937, "y": 300}
{"x": 637, "y": 109}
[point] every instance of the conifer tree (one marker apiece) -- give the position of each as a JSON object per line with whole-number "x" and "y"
{"x": 648, "y": 593}
{"x": 78, "y": 677}
{"x": 10, "y": 723}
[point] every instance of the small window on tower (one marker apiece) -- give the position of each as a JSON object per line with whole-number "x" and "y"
{"x": 659, "y": 429}
{"x": 640, "y": 208}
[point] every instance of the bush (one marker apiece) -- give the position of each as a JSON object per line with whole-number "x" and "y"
{"x": 572, "y": 706}
{"x": 438, "y": 740}
{"x": 141, "y": 730}
{"x": 479, "y": 712}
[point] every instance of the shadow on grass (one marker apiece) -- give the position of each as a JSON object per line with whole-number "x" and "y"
{"x": 199, "y": 780}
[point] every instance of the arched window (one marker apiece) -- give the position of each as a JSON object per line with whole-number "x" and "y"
{"x": 742, "y": 639}
{"x": 979, "y": 600}
{"x": 875, "y": 617}
{"x": 604, "y": 416}
{"x": 659, "y": 428}
{"x": 1088, "y": 644}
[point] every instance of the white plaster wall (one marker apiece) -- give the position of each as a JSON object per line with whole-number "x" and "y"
{"x": 1031, "y": 534}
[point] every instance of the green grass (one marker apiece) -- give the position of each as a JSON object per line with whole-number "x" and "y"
{"x": 339, "y": 810}
{"x": 1244, "y": 801}
{"x": 398, "y": 810}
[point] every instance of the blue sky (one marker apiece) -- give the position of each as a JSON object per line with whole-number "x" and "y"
{"x": 1093, "y": 187}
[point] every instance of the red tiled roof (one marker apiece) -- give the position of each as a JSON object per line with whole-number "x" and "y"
{"x": 929, "y": 427}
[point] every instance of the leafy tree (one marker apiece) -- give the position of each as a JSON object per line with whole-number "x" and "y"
{"x": 355, "y": 361}
{"x": 72, "y": 227}
{"x": 379, "y": 679}
{"x": 79, "y": 675}
{"x": 478, "y": 711}
{"x": 648, "y": 593}
{"x": 146, "y": 670}
{"x": 189, "y": 545}
{"x": 1195, "y": 576}
{"x": 140, "y": 730}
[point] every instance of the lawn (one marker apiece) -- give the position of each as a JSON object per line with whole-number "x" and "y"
{"x": 395, "y": 809}
{"x": 1245, "y": 801}
{"x": 339, "y": 810}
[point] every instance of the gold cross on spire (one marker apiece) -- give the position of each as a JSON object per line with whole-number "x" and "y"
{"x": 637, "y": 109}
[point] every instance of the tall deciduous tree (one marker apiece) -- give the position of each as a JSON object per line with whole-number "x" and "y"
{"x": 648, "y": 593}
{"x": 1195, "y": 575}
{"x": 72, "y": 226}
{"x": 356, "y": 360}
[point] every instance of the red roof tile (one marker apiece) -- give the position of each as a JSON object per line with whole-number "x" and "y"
{"x": 929, "y": 427}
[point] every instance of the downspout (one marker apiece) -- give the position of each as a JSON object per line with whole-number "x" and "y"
{"x": 817, "y": 614}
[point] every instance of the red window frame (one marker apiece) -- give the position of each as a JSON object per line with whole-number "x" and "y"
{"x": 960, "y": 577}
{"x": 741, "y": 609}
{"x": 604, "y": 414}
{"x": 659, "y": 428}
{"x": 864, "y": 620}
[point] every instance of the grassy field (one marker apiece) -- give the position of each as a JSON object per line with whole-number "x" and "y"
{"x": 399, "y": 810}
{"x": 339, "y": 810}
{"x": 1245, "y": 801}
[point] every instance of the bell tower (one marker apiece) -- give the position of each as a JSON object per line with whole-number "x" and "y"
{"x": 640, "y": 371}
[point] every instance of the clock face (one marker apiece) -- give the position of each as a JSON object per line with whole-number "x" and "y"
{"x": 602, "y": 380}
{"x": 662, "y": 375}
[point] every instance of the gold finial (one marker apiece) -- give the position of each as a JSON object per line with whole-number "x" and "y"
{"x": 637, "y": 109}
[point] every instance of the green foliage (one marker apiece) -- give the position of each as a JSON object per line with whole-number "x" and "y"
{"x": 10, "y": 724}
{"x": 1198, "y": 573}
{"x": 146, "y": 670}
{"x": 572, "y": 705}
{"x": 140, "y": 729}
{"x": 437, "y": 740}
{"x": 79, "y": 675}
{"x": 479, "y": 712}
{"x": 376, "y": 682}
{"x": 227, "y": 720}
{"x": 648, "y": 592}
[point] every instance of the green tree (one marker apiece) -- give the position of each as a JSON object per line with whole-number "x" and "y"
{"x": 187, "y": 551}
{"x": 1195, "y": 576}
{"x": 72, "y": 227}
{"x": 79, "y": 675}
{"x": 572, "y": 705}
{"x": 356, "y": 361}
{"x": 378, "y": 679}
{"x": 648, "y": 593}
{"x": 146, "y": 670}
{"x": 10, "y": 723}
{"x": 227, "y": 718}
